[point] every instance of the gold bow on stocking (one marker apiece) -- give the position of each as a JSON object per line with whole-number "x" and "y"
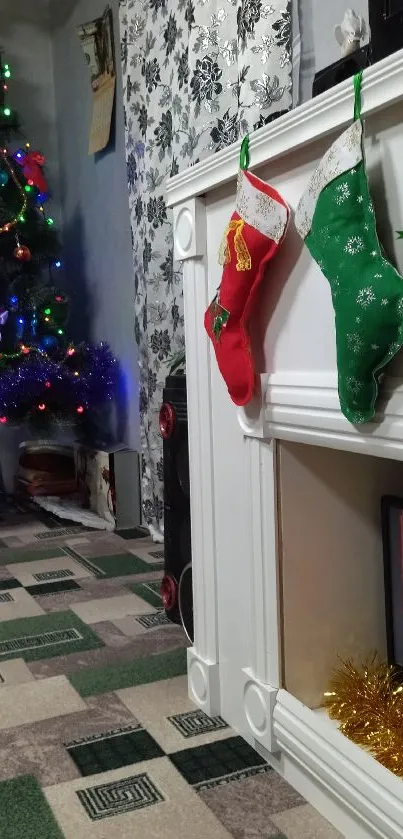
{"x": 244, "y": 261}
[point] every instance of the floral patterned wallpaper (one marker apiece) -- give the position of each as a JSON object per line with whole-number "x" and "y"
{"x": 198, "y": 74}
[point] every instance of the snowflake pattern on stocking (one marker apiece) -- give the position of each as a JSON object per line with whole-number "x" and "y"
{"x": 354, "y": 245}
{"x": 354, "y": 385}
{"x": 342, "y": 193}
{"x": 354, "y": 342}
{"x": 365, "y": 297}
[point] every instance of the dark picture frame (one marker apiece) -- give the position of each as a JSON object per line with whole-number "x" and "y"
{"x": 392, "y": 538}
{"x": 392, "y": 8}
{"x": 386, "y": 24}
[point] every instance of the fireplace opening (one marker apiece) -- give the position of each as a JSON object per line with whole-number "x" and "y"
{"x": 331, "y": 561}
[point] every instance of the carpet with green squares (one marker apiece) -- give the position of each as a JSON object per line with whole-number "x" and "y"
{"x": 97, "y": 734}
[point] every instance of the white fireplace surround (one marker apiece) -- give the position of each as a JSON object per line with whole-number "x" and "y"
{"x": 236, "y": 664}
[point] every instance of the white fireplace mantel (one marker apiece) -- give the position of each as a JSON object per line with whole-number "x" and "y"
{"x": 236, "y": 664}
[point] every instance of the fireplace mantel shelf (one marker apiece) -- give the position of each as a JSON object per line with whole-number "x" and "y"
{"x": 238, "y": 663}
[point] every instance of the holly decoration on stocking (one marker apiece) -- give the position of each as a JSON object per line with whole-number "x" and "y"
{"x": 251, "y": 239}
{"x": 336, "y": 219}
{"x": 218, "y": 318}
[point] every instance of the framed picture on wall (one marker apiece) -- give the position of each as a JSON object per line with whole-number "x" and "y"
{"x": 392, "y": 537}
{"x": 97, "y": 41}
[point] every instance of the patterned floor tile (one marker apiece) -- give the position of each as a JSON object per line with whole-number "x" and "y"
{"x": 23, "y": 531}
{"x": 111, "y": 635}
{"x": 153, "y": 643}
{"x": 38, "y": 748}
{"x": 8, "y": 582}
{"x": 52, "y": 576}
{"x": 36, "y": 573}
{"x": 130, "y": 535}
{"x": 305, "y": 821}
{"x": 152, "y": 555}
{"x": 150, "y": 592}
{"x": 246, "y": 806}
{"x": 157, "y": 553}
{"x": 113, "y": 587}
{"x": 121, "y": 538}
{"x": 148, "y": 576}
{"x": 58, "y": 587}
{"x": 216, "y": 763}
{"x": 148, "y": 800}
{"x": 6, "y": 597}
{"x": 17, "y": 603}
{"x": 133, "y": 626}
{"x": 90, "y": 589}
{"x": 139, "y": 671}
{"x": 15, "y": 541}
{"x": 33, "y": 701}
{"x": 54, "y": 541}
{"x": 108, "y": 546}
{"x": 113, "y": 750}
{"x": 78, "y": 540}
{"x": 14, "y": 672}
{"x": 194, "y": 723}
{"x": 33, "y": 554}
{"x": 57, "y": 532}
{"x": 24, "y": 811}
{"x": 166, "y": 711}
{"x": 118, "y": 565}
{"x": 114, "y": 607}
{"x": 45, "y": 636}
{"x": 119, "y": 797}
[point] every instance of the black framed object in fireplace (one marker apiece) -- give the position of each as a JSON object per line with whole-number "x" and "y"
{"x": 392, "y": 536}
{"x": 386, "y": 24}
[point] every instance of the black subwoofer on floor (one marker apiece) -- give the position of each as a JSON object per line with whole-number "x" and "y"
{"x": 177, "y": 583}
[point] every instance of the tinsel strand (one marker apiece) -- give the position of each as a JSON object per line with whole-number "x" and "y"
{"x": 367, "y": 701}
{"x": 21, "y": 387}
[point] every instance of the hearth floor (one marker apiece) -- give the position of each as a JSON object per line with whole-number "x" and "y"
{"x": 97, "y": 735}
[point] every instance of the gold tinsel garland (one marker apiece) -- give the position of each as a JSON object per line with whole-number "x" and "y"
{"x": 367, "y": 701}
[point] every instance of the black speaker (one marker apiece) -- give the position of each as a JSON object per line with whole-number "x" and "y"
{"x": 176, "y": 587}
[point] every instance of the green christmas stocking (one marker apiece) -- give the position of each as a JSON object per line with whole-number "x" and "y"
{"x": 336, "y": 219}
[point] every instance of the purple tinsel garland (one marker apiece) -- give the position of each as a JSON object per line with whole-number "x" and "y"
{"x": 40, "y": 380}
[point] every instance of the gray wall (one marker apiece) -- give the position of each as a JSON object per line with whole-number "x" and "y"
{"x": 325, "y": 16}
{"x": 96, "y": 222}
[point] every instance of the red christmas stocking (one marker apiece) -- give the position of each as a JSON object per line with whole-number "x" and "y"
{"x": 254, "y": 234}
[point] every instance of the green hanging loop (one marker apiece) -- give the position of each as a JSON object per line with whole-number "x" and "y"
{"x": 244, "y": 153}
{"x": 357, "y": 95}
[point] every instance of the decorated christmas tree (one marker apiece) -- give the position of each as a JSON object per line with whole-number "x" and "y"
{"x": 43, "y": 376}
